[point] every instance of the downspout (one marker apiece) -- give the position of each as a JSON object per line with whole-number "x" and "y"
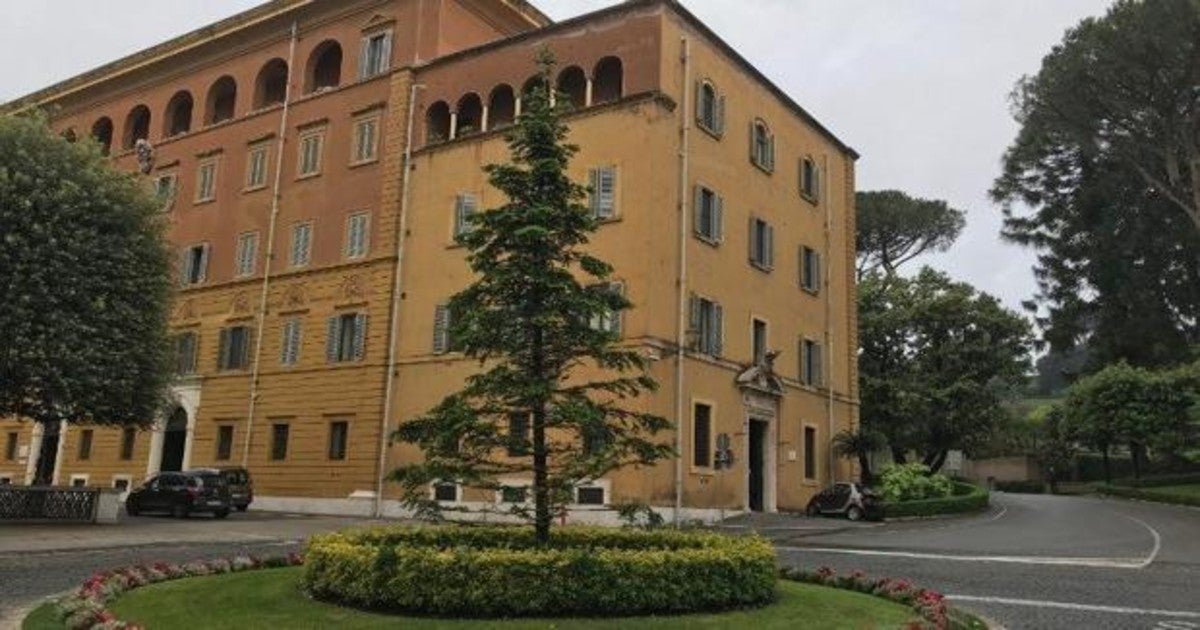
{"x": 685, "y": 129}
{"x": 266, "y": 282}
{"x": 829, "y": 353}
{"x": 394, "y": 315}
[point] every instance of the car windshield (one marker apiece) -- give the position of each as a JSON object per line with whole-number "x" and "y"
{"x": 236, "y": 477}
{"x": 208, "y": 481}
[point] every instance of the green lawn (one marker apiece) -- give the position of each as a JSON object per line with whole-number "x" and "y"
{"x": 1191, "y": 490}
{"x": 271, "y": 599}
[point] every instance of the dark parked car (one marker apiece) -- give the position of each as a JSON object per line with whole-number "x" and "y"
{"x": 241, "y": 487}
{"x": 181, "y": 494}
{"x": 852, "y": 500}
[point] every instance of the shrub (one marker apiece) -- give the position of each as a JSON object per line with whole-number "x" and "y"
{"x": 911, "y": 482}
{"x": 1150, "y": 494}
{"x": 1160, "y": 480}
{"x": 1024, "y": 487}
{"x": 501, "y": 572}
{"x": 965, "y": 498}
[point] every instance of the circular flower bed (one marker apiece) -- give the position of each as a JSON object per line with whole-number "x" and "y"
{"x": 502, "y": 572}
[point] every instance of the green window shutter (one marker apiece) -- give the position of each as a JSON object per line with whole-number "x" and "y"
{"x": 606, "y": 192}
{"x": 332, "y": 340}
{"x": 818, "y": 375}
{"x": 203, "y": 272}
{"x": 718, "y": 218}
{"x": 223, "y": 350}
{"x": 769, "y": 257}
{"x": 698, "y": 224}
{"x": 441, "y": 329}
{"x": 700, "y": 103}
{"x": 694, "y": 322}
{"x": 247, "y": 341}
{"x": 753, "y": 143}
{"x": 720, "y": 118}
{"x": 718, "y": 342}
{"x": 185, "y": 267}
{"x": 816, "y": 278}
{"x": 771, "y": 151}
{"x": 360, "y": 336}
{"x": 594, "y": 192}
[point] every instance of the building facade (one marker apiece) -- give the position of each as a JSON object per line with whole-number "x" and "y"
{"x": 315, "y": 160}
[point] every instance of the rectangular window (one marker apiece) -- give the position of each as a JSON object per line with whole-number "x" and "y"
{"x": 79, "y": 481}
{"x": 701, "y": 435}
{"x": 810, "y": 179}
{"x": 589, "y": 495}
{"x": 247, "y": 254}
{"x": 224, "y": 442}
{"x": 310, "y": 153}
{"x": 346, "y": 338}
{"x": 518, "y": 434}
{"x": 256, "y": 167}
{"x": 339, "y": 432}
{"x": 290, "y": 343}
{"x": 810, "y": 453}
{"x": 376, "y": 54}
{"x": 206, "y": 181}
{"x": 810, "y": 270}
{"x": 128, "y": 440}
{"x": 465, "y": 206}
{"x": 443, "y": 340}
{"x": 85, "y": 444}
{"x": 514, "y": 494}
{"x": 185, "y": 353}
{"x": 357, "y": 235}
{"x": 810, "y": 363}
{"x": 709, "y": 213}
{"x": 762, "y": 244}
{"x": 233, "y": 351}
{"x": 603, "y": 196}
{"x": 120, "y": 484}
{"x": 193, "y": 265}
{"x": 279, "y": 441}
{"x": 443, "y": 491}
{"x": 10, "y": 446}
{"x": 596, "y": 439}
{"x": 759, "y": 341}
{"x": 164, "y": 188}
{"x": 610, "y": 319}
{"x": 301, "y": 244}
{"x": 366, "y": 140}
{"x": 707, "y": 327}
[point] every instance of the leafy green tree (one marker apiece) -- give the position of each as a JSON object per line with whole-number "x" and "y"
{"x": 858, "y": 445}
{"x": 86, "y": 276}
{"x": 936, "y": 360}
{"x": 531, "y": 319}
{"x": 1108, "y": 158}
{"x": 894, "y": 228}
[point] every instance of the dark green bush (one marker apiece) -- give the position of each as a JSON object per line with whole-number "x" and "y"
{"x": 966, "y": 498}
{"x": 1150, "y": 494}
{"x": 500, "y": 572}
{"x": 1023, "y": 487}
{"x": 1159, "y": 480}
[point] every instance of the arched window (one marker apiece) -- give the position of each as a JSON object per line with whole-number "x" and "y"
{"x": 437, "y": 123}
{"x": 102, "y": 132}
{"x": 137, "y": 126}
{"x": 572, "y": 87}
{"x": 179, "y": 114}
{"x": 710, "y": 108}
{"x": 271, "y": 86}
{"x": 470, "y": 115}
{"x": 502, "y": 107}
{"x": 762, "y": 146}
{"x": 531, "y": 84}
{"x": 608, "y": 81}
{"x": 222, "y": 101}
{"x": 324, "y": 70}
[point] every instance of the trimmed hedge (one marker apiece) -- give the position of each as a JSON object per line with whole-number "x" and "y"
{"x": 1150, "y": 494}
{"x": 495, "y": 572}
{"x": 966, "y": 498}
{"x": 1021, "y": 487}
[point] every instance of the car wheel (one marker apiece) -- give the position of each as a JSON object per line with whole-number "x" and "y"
{"x": 221, "y": 513}
{"x": 855, "y": 513}
{"x": 812, "y": 510}
{"x": 242, "y": 508}
{"x": 179, "y": 511}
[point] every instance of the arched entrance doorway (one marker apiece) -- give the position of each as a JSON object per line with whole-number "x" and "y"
{"x": 174, "y": 441}
{"x": 47, "y": 455}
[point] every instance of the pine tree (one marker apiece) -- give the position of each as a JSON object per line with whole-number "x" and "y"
{"x": 539, "y": 320}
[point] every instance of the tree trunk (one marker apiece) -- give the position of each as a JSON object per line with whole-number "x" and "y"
{"x": 898, "y": 457}
{"x": 1135, "y": 457}
{"x": 864, "y": 468}
{"x": 939, "y": 460}
{"x": 1107, "y": 468}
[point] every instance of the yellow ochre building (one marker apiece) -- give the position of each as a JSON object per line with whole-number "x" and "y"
{"x": 315, "y": 158}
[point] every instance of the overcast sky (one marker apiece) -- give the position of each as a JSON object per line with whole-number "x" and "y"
{"x": 919, "y": 87}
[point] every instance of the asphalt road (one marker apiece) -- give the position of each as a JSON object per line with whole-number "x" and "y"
{"x": 1035, "y": 561}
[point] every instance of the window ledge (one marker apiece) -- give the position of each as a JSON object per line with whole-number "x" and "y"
{"x": 762, "y": 167}
{"x": 711, "y": 242}
{"x": 250, "y": 189}
{"x": 201, "y": 202}
{"x": 374, "y": 160}
{"x": 811, "y": 199}
{"x": 308, "y": 176}
{"x": 812, "y": 292}
{"x": 714, "y": 134}
{"x": 761, "y": 267}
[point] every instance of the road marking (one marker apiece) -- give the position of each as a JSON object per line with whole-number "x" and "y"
{"x": 1157, "y": 541}
{"x": 1035, "y": 603}
{"x": 1104, "y": 563}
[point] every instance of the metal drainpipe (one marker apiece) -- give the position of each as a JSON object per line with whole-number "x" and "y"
{"x": 266, "y": 282}
{"x": 685, "y": 129}
{"x": 828, "y": 354}
{"x": 397, "y": 286}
